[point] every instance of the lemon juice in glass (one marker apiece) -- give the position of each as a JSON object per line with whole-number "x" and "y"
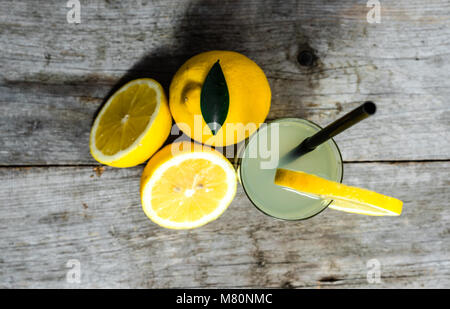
{"x": 276, "y": 145}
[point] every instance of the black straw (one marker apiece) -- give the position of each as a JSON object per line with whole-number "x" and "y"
{"x": 348, "y": 120}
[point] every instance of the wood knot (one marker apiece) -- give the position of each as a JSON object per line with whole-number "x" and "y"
{"x": 306, "y": 58}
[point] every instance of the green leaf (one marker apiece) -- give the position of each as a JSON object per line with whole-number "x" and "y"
{"x": 214, "y": 98}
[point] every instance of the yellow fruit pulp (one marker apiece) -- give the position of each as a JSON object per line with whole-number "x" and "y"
{"x": 132, "y": 125}
{"x": 189, "y": 191}
{"x": 345, "y": 198}
{"x": 187, "y": 185}
{"x": 125, "y": 119}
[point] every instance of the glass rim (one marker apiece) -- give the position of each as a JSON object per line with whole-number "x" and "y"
{"x": 245, "y": 147}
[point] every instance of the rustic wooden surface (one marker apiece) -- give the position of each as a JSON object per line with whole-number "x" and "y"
{"x": 54, "y": 207}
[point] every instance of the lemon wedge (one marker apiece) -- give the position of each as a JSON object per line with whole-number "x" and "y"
{"x": 187, "y": 185}
{"x": 345, "y": 198}
{"x": 132, "y": 125}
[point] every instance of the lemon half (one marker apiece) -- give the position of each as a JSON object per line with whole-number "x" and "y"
{"x": 187, "y": 185}
{"x": 132, "y": 125}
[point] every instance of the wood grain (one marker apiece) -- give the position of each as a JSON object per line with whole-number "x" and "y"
{"x": 50, "y": 215}
{"x": 55, "y": 207}
{"x": 56, "y": 75}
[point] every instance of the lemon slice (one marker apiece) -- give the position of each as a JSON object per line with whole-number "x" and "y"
{"x": 132, "y": 125}
{"x": 187, "y": 185}
{"x": 345, "y": 198}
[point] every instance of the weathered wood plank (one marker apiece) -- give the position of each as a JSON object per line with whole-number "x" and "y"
{"x": 49, "y": 215}
{"x": 55, "y": 75}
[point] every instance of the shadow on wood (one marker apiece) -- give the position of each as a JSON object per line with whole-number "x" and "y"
{"x": 218, "y": 26}
{"x": 196, "y": 32}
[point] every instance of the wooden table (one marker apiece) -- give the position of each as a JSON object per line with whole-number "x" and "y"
{"x": 57, "y": 204}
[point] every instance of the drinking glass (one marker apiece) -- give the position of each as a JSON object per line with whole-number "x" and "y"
{"x": 263, "y": 154}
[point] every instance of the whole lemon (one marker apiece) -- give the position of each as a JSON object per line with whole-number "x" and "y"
{"x": 219, "y": 98}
